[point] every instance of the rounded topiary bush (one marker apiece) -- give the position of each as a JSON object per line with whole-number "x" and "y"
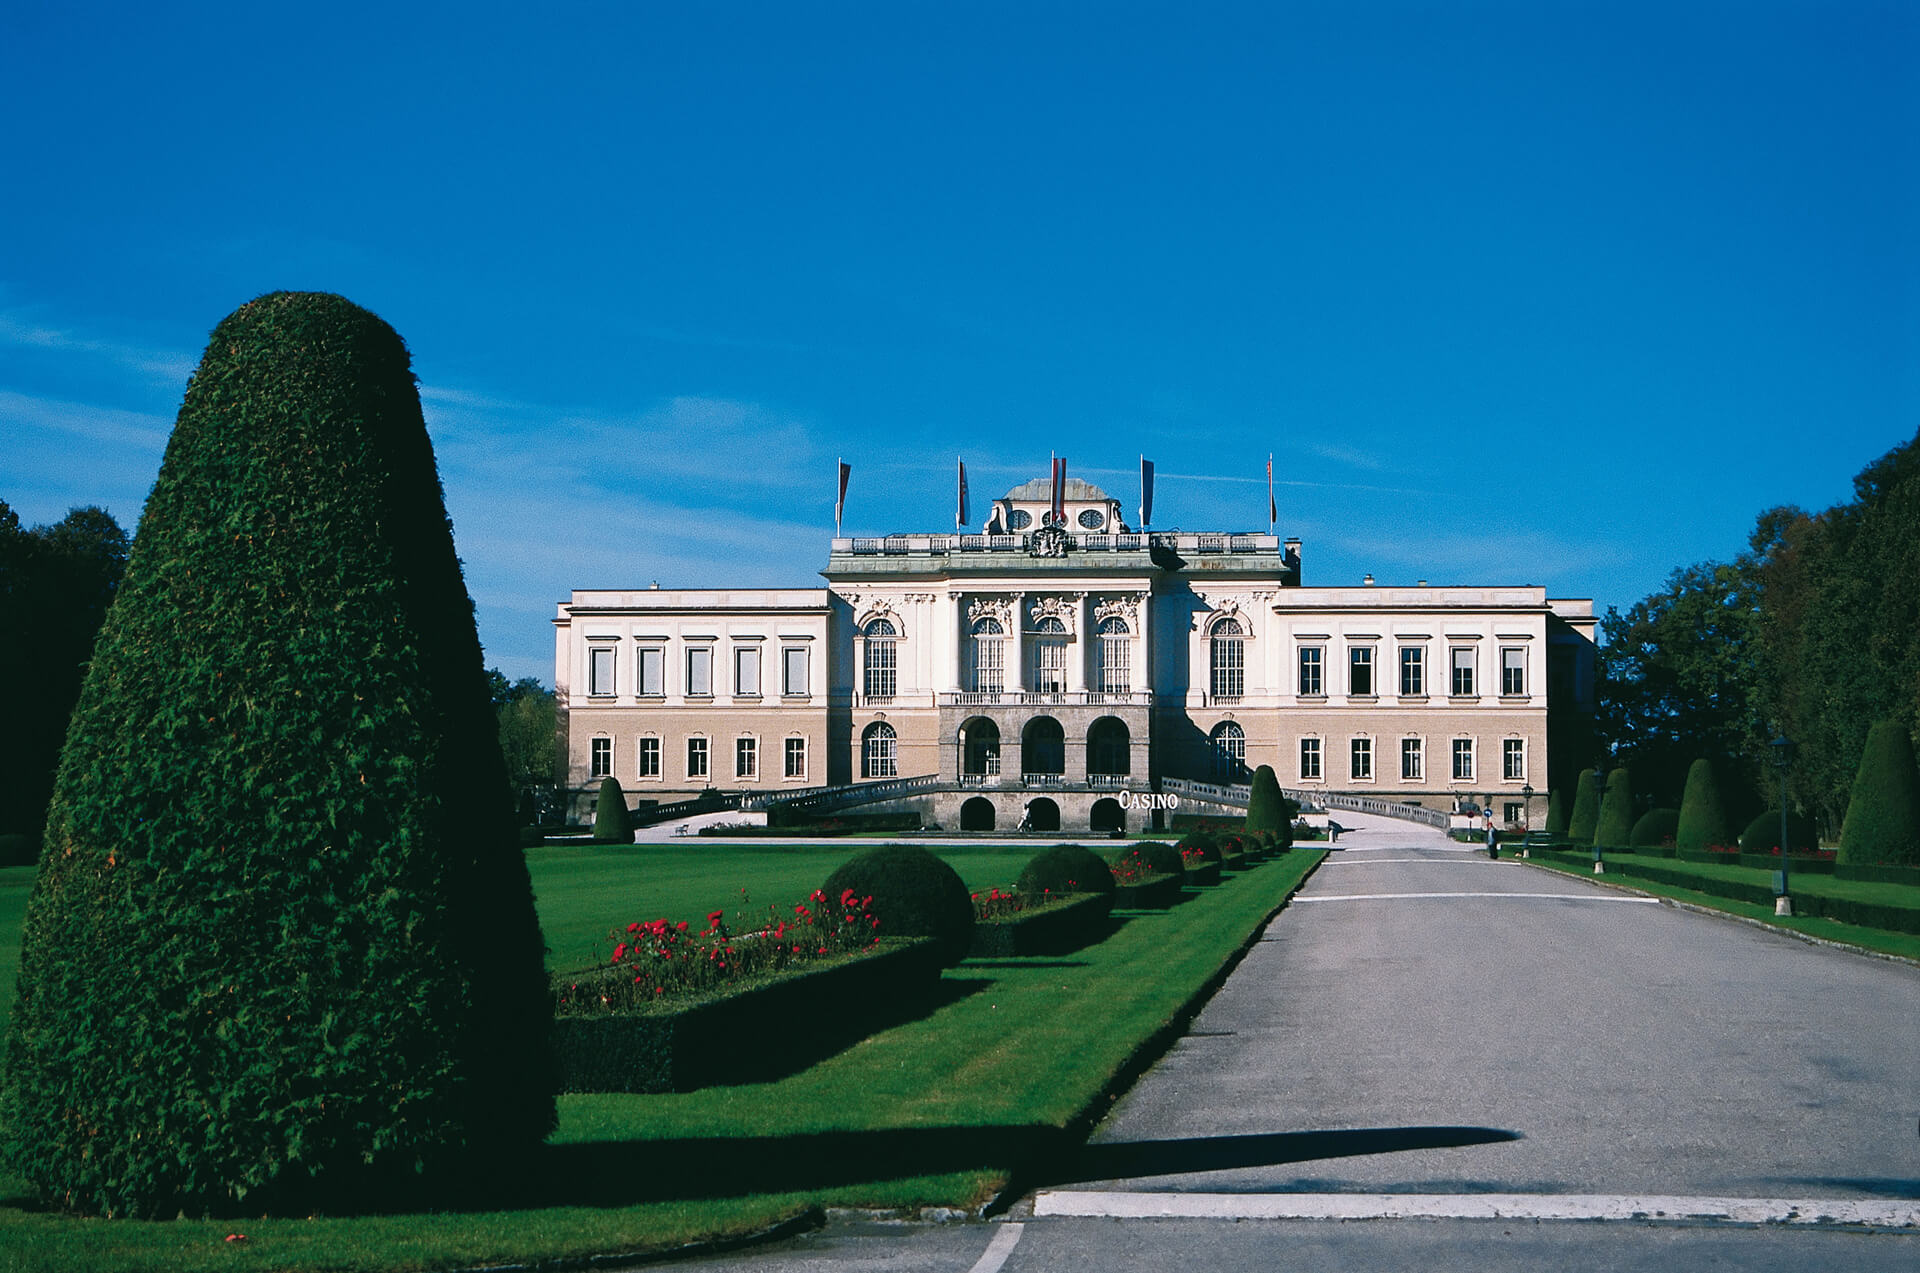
{"x": 1199, "y": 846}
{"x": 1266, "y": 808}
{"x": 18, "y": 850}
{"x": 1655, "y": 828}
{"x": 611, "y": 822}
{"x": 1066, "y": 868}
{"x": 1585, "y": 816}
{"x": 1883, "y": 813}
{"x": 1150, "y": 857}
{"x": 1703, "y": 816}
{"x": 915, "y": 894}
{"x": 281, "y": 953}
{"x": 1763, "y": 833}
{"x": 1615, "y": 825}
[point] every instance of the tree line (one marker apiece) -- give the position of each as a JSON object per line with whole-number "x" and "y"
{"x": 1812, "y": 634}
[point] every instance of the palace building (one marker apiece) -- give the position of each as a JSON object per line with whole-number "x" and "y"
{"x": 1054, "y": 670}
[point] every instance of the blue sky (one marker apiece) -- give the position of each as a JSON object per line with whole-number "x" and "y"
{"x": 1551, "y": 293}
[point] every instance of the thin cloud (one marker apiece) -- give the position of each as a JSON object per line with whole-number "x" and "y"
{"x": 165, "y": 365}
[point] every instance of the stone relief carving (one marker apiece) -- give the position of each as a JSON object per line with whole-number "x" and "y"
{"x": 1062, "y": 608}
{"x": 1125, "y": 609}
{"x": 990, "y": 608}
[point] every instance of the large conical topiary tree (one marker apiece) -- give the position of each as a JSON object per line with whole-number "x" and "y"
{"x": 1615, "y": 826}
{"x": 612, "y": 824}
{"x": 1267, "y": 809}
{"x": 1557, "y": 812}
{"x": 1703, "y": 818}
{"x": 1883, "y": 814}
{"x": 1586, "y": 809}
{"x": 281, "y": 953}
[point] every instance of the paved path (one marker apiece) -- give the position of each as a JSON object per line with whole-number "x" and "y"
{"x": 1425, "y": 1031}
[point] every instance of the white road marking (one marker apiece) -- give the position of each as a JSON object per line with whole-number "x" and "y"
{"x": 1558, "y": 897}
{"x": 998, "y": 1250}
{"x": 1881, "y": 1213}
{"x": 1391, "y": 861}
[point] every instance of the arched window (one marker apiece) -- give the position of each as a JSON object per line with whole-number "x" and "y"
{"x": 1116, "y": 646}
{"x": 989, "y": 657}
{"x": 1229, "y": 744}
{"x": 1228, "y": 660}
{"x": 980, "y": 747}
{"x": 1043, "y": 747}
{"x": 1107, "y": 747}
{"x": 1050, "y": 656}
{"x": 882, "y": 669}
{"x": 879, "y": 752}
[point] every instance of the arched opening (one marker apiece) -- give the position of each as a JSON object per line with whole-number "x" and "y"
{"x": 1229, "y": 752}
{"x": 1043, "y": 747}
{"x": 980, "y": 748}
{"x": 1107, "y": 747}
{"x": 879, "y": 751}
{"x": 1042, "y": 815}
{"x": 882, "y": 671}
{"x": 986, "y": 670}
{"x": 977, "y": 814}
{"x": 1108, "y": 815}
{"x": 1227, "y": 656}
{"x": 1115, "y": 646}
{"x": 1050, "y": 656}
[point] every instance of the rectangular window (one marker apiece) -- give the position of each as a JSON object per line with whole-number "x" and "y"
{"x": 793, "y": 675}
{"x": 1413, "y": 760}
{"x": 1516, "y": 812}
{"x": 746, "y": 671}
{"x": 1513, "y": 671}
{"x": 649, "y": 766}
{"x": 989, "y": 666}
{"x": 653, "y": 671}
{"x": 1115, "y": 650}
{"x": 1463, "y": 759}
{"x": 1361, "y": 765}
{"x": 600, "y": 670}
{"x": 600, "y": 758}
{"x": 1513, "y": 759}
{"x": 1413, "y": 670}
{"x": 1312, "y": 669}
{"x": 700, "y": 671}
{"x": 1463, "y": 671}
{"x": 1310, "y": 759}
{"x": 696, "y": 757}
{"x": 796, "y": 762}
{"x": 746, "y": 757}
{"x": 1360, "y": 671}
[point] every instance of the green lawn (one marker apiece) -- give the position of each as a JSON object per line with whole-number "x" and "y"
{"x": 1876, "y": 939}
{"x": 1007, "y": 1069}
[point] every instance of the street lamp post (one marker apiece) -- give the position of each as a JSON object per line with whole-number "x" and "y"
{"x": 1782, "y": 749}
{"x": 1599, "y": 800}
{"x": 1526, "y": 818}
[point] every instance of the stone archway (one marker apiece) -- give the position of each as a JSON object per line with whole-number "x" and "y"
{"x": 1042, "y": 815}
{"x": 1107, "y": 815}
{"x": 1043, "y": 747}
{"x": 977, "y": 814}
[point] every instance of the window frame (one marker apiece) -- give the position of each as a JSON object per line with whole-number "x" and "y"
{"x": 746, "y": 671}
{"x": 1413, "y": 750}
{"x": 699, "y": 670}
{"x": 645, "y": 747}
{"x": 1463, "y": 751}
{"x": 788, "y": 769}
{"x": 1413, "y": 671}
{"x": 600, "y": 756}
{"x": 1513, "y": 759}
{"x": 879, "y": 750}
{"x": 1311, "y": 751}
{"x": 880, "y": 660}
{"x": 1116, "y": 656}
{"x": 792, "y": 686}
{"x": 700, "y": 748}
{"x": 650, "y": 670}
{"x": 1227, "y": 661}
{"x": 603, "y": 682}
{"x": 746, "y": 758}
{"x": 1359, "y": 658}
{"x": 1313, "y": 659}
{"x": 1461, "y": 675}
{"x": 1513, "y": 679}
{"x": 1360, "y": 759}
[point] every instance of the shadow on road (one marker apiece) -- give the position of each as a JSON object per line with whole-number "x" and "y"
{"x": 1129, "y": 1159}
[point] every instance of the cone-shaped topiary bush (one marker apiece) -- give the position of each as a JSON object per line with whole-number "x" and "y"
{"x": 1557, "y": 812}
{"x": 1763, "y": 833}
{"x": 1266, "y": 807}
{"x": 611, "y": 823}
{"x": 1655, "y": 828}
{"x": 281, "y": 953}
{"x": 1883, "y": 814}
{"x": 1066, "y": 868}
{"x": 1703, "y": 819}
{"x": 914, "y": 893}
{"x": 1586, "y": 809}
{"x": 1616, "y": 810}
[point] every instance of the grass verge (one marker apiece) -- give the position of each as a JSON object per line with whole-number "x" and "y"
{"x": 1010, "y": 1066}
{"x": 1905, "y": 945}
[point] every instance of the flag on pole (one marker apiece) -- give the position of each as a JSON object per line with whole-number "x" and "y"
{"x": 1273, "y": 509}
{"x": 1146, "y": 492}
{"x": 840, "y": 504}
{"x": 961, "y": 519}
{"x": 1059, "y": 489}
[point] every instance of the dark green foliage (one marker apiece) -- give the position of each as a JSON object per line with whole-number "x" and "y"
{"x": 1763, "y": 833}
{"x": 1266, "y": 808}
{"x": 914, "y": 893}
{"x": 1203, "y": 843}
{"x": 281, "y": 954}
{"x": 1586, "y": 810}
{"x": 1157, "y": 858}
{"x": 18, "y": 850}
{"x": 611, "y": 822}
{"x": 1883, "y": 817}
{"x": 1703, "y": 819}
{"x": 1557, "y": 812}
{"x": 1655, "y": 828}
{"x": 1066, "y": 868}
{"x": 1616, "y": 810}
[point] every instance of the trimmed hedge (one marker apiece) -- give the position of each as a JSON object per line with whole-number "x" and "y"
{"x": 1556, "y": 812}
{"x": 1883, "y": 814}
{"x": 1063, "y": 869}
{"x": 1586, "y": 810}
{"x": 914, "y": 893}
{"x": 1267, "y": 809}
{"x": 612, "y": 824}
{"x": 813, "y": 1011}
{"x": 1616, "y": 810}
{"x": 1655, "y": 828}
{"x": 1157, "y": 871}
{"x": 282, "y": 954}
{"x": 1078, "y": 919}
{"x": 1895, "y": 919}
{"x": 1703, "y": 816}
{"x": 1763, "y": 833}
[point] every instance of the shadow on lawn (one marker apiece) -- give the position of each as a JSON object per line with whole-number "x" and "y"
{"x": 620, "y": 1173}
